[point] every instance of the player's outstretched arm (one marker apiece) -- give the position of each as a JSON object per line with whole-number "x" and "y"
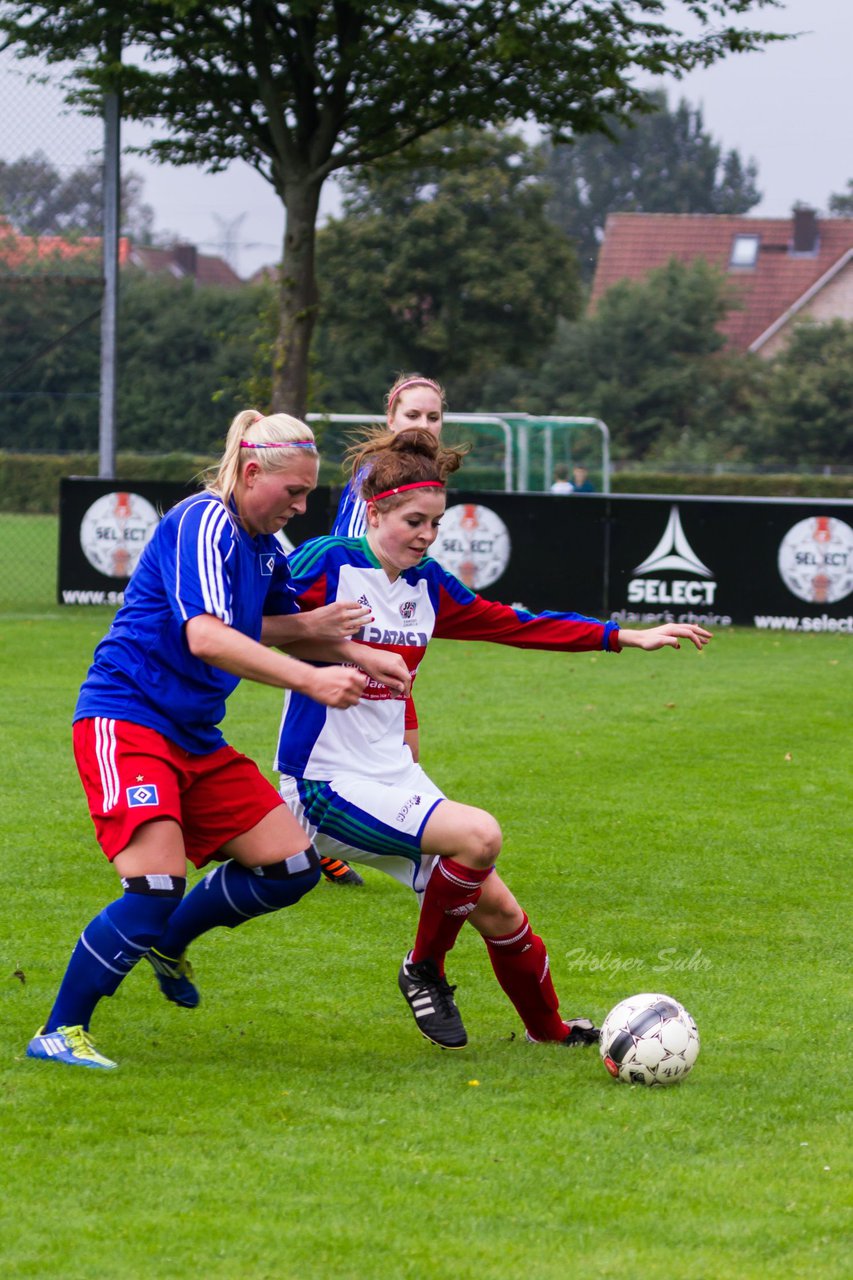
{"x": 669, "y": 635}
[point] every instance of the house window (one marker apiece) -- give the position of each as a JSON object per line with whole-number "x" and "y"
{"x": 744, "y": 251}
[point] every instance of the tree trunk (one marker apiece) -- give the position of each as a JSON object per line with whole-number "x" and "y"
{"x": 298, "y": 301}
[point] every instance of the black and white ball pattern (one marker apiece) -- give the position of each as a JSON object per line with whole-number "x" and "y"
{"x": 649, "y": 1039}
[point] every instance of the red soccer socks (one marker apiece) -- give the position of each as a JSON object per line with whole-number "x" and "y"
{"x": 451, "y": 895}
{"x": 520, "y": 962}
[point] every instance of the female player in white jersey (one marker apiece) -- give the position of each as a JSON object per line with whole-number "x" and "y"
{"x": 412, "y": 401}
{"x": 162, "y": 784}
{"x": 355, "y": 787}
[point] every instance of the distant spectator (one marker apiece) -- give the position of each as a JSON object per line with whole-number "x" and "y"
{"x": 582, "y": 483}
{"x": 562, "y": 483}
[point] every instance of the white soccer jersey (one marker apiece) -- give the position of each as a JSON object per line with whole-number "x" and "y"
{"x": 318, "y": 742}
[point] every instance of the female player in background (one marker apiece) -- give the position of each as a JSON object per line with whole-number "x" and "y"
{"x": 413, "y": 401}
{"x": 352, "y": 782}
{"x": 162, "y": 784}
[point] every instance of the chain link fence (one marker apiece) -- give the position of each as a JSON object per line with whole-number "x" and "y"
{"x": 50, "y": 263}
{"x": 51, "y": 223}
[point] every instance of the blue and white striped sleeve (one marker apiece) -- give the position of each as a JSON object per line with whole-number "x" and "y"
{"x": 351, "y": 518}
{"x": 204, "y": 547}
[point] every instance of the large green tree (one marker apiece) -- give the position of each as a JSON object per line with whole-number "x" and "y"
{"x": 662, "y": 162}
{"x": 302, "y": 90}
{"x": 448, "y": 266}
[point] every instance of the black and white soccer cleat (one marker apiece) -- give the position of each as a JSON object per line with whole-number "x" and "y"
{"x": 430, "y": 997}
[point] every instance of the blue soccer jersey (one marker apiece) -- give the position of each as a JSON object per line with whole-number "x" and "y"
{"x": 351, "y": 518}
{"x": 199, "y": 561}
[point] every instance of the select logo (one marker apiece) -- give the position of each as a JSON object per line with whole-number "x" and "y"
{"x": 672, "y": 554}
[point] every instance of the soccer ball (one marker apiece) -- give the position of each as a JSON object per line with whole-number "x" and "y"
{"x": 649, "y": 1039}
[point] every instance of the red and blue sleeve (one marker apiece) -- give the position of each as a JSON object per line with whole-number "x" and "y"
{"x": 312, "y": 596}
{"x": 462, "y": 615}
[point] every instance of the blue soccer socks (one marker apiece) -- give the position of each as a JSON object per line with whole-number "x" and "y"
{"x": 111, "y": 945}
{"x": 151, "y": 911}
{"x": 232, "y": 894}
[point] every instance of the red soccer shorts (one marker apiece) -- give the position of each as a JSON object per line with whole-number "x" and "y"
{"x": 133, "y": 775}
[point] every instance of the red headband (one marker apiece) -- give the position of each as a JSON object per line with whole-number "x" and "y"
{"x": 401, "y": 488}
{"x": 412, "y": 382}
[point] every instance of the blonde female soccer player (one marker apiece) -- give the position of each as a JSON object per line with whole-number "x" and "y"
{"x": 162, "y": 784}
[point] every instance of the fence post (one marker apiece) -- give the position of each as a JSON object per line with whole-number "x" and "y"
{"x": 109, "y": 312}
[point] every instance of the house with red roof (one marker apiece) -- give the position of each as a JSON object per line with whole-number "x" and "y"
{"x": 80, "y": 256}
{"x": 69, "y": 255}
{"x": 184, "y": 262}
{"x": 782, "y": 270}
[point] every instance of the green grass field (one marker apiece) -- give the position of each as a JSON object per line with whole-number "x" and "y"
{"x": 28, "y": 556}
{"x": 673, "y": 821}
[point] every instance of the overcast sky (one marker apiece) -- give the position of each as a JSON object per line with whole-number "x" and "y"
{"x": 790, "y": 108}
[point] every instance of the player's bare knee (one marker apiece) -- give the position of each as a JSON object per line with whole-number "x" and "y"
{"x": 482, "y": 840}
{"x": 495, "y": 920}
{"x": 506, "y": 917}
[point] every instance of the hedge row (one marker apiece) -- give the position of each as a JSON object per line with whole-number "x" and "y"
{"x": 30, "y": 482}
{"x": 734, "y": 485}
